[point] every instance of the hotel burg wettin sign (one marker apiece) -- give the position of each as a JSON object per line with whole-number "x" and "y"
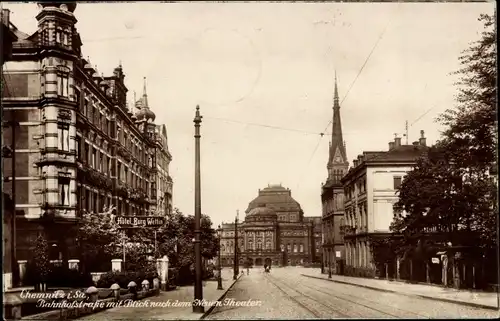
{"x": 139, "y": 221}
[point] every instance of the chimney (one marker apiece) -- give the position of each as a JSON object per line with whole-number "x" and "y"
{"x": 416, "y": 143}
{"x": 391, "y": 145}
{"x": 6, "y": 17}
{"x": 360, "y": 159}
{"x": 422, "y": 139}
{"x": 397, "y": 141}
{"x": 355, "y": 162}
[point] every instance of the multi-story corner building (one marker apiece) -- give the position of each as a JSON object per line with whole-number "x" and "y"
{"x": 370, "y": 189}
{"x": 78, "y": 146}
{"x": 332, "y": 196}
{"x": 274, "y": 232}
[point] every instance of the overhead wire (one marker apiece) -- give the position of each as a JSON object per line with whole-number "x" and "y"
{"x": 343, "y": 99}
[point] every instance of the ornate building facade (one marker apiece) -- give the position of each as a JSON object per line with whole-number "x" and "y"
{"x": 332, "y": 196}
{"x": 78, "y": 145}
{"x": 274, "y": 232}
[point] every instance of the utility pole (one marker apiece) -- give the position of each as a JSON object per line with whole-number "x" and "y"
{"x": 236, "y": 263}
{"x": 198, "y": 289}
{"x": 219, "y": 278}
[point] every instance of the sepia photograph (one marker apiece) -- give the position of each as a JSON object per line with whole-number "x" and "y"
{"x": 267, "y": 160}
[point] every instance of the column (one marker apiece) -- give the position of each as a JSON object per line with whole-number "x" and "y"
{"x": 116, "y": 265}
{"x": 162, "y": 266}
{"x": 73, "y": 264}
{"x": 22, "y": 270}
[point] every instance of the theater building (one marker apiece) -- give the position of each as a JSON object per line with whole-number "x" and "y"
{"x": 274, "y": 231}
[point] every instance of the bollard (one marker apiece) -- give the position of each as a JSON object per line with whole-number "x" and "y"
{"x": 145, "y": 285}
{"x": 92, "y": 293}
{"x": 12, "y": 306}
{"x": 132, "y": 288}
{"x": 156, "y": 286}
{"x": 116, "y": 291}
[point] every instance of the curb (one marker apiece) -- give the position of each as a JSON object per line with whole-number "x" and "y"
{"x": 212, "y": 307}
{"x": 475, "y": 305}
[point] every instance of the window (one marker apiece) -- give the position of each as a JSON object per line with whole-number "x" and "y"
{"x": 58, "y": 36}
{"x": 119, "y": 171}
{"x": 63, "y": 137}
{"x": 288, "y": 247}
{"x": 397, "y": 182}
{"x": 101, "y": 162}
{"x": 78, "y": 143}
{"x": 301, "y": 248}
{"x": 62, "y": 85}
{"x": 64, "y": 192}
{"x": 108, "y": 165}
{"x": 295, "y": 248}
{"x": 93, "y": 161}
{"x": 65, "y": 38}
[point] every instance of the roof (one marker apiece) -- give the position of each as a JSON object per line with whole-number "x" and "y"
{"x": 403, "y": 154}
{"x": 275, "y": 197}
{"x": 262, "y": 210}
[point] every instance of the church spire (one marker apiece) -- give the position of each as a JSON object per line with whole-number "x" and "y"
{"x": 336, "y": 93}
{"x": 337, "y": 160}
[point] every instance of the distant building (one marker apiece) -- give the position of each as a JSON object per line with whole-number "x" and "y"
{"x": 79, "y": 147}
{"x": 332, "y": 196}
{"x": 274, "y": 231}
{"x": 370, "y": 189}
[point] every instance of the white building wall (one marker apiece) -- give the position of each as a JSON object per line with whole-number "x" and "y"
{"x": 382, "y": 195}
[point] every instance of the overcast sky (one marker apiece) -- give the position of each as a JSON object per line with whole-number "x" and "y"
{"x": 273, "y": 64}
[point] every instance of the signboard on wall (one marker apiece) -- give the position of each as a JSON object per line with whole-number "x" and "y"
{"x": 140, "y": 221}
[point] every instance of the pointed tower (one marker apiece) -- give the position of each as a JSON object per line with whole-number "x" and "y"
{"x": 332, "y": 196}
{"x": 337, "y": 161}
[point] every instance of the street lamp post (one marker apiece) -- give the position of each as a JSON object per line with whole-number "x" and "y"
{"x": 236, "y": 263}
{"x": 198, "y": 289}
{"x": 329, "y": 265}
{"x": 219, "y": 279}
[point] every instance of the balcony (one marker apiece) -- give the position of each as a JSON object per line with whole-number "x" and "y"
{"x": 90, "y": 176}
{"x": 348, "y": 230}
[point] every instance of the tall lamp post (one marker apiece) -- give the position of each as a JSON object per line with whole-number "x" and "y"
{"x": 236, "y": 263}
{"x": 198, "y": 289}
{"x": 329, "y": 264}
{"x": 219, "y": 279}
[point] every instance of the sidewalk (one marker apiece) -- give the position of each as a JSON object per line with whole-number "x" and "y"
{"x": 485, "y": 300}
{"x": 183, "y": 295}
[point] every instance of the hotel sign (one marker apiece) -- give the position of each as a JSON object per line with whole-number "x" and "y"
{"x": 140, "y": 221}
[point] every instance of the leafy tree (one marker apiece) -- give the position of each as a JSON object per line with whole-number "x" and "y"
{"x": 450, "y": 190}
{"x": 41, "y": 258}
{"x": 100, "y": 238}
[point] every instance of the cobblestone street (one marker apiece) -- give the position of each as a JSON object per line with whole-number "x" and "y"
{"x": 285, "y": 293}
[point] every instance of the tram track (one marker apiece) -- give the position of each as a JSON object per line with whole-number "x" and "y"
{"x": 343, "y": 296}
{"x": 299, "y": 299}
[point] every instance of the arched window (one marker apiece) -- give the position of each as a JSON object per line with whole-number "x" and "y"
{"x": 295, "y": 248}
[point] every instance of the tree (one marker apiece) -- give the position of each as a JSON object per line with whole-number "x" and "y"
{"x": 41, "y": 259}
{"x": 100, "y": 238}
{"x": 450, "y": 190}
